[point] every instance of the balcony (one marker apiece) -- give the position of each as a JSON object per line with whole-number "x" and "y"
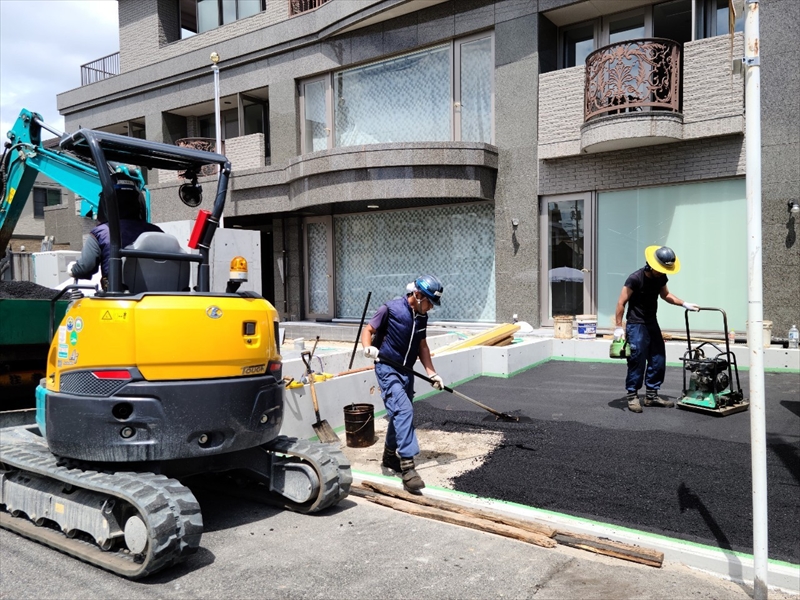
{"x": 100, "y": 69}
{"x": 297, "y": 7}
{"x": 641, "y": 93}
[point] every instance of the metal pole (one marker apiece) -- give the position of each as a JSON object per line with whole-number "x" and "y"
{"x": 217, "y": 122}
{"x": 755, "y": 308}
{"x": 215, "y": 68}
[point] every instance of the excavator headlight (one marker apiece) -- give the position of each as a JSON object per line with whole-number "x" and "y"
{"x": 238, "y": 269}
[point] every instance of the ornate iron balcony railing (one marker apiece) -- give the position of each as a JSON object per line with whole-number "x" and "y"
{"x": 300, "y": 6}
{"x": 205, "y": 144}
{"x": 100, "y": 69}
{"x": 633, "y": 76}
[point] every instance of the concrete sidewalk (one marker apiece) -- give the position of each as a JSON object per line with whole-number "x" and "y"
{"x": 358, "y": 550}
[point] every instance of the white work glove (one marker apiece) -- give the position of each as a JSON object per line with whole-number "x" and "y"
{"x": 618, "y": 333}
{"x": 69, "y": 268}
{"x": 371, "y": 352}
{"x": 691, "y": 306}
{"x": 437, "y": 382}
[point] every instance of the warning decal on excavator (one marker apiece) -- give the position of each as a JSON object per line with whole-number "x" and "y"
{"x": 114, "y": 315}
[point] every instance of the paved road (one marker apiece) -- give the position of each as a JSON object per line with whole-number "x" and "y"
{"x": 356, "y": 551}
{"x": 678, "y": 473}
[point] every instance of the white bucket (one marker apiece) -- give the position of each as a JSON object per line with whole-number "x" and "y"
{"x": 587, "y": 326}
{"x": 562, "y": 327}
{"x": 766, "y": 340}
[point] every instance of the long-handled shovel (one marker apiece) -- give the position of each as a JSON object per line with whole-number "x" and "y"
{"x": 500, "y": 416}
{"x": 323, "y": 429}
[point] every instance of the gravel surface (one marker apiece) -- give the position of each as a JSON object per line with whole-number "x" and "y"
{"x": 25, "y": 289}
{"x": 668, "y": 471}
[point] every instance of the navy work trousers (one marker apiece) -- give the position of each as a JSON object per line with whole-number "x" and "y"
{"x": 648, "y": 359}
{"x": 397, "y": 390}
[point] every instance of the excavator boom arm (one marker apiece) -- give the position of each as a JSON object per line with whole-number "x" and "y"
{"x": 25, "y": 157}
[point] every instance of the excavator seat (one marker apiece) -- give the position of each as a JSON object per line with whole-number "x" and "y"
{"x": 154, "y": 275}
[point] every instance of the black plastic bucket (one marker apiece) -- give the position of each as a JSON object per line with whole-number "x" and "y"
{"x": 359, "y": 425}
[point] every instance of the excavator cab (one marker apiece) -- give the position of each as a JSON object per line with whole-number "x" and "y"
{"x": 148, "y": 383}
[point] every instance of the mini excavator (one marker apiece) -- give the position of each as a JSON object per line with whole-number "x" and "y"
{"x": 149, "y": 383}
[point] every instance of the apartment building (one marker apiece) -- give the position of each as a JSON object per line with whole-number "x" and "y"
{"x": 525, "y": 151}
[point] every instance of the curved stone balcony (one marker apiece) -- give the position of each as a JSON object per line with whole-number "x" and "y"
{"x": 399, "y": 174}
{"x": 632, "y": 95}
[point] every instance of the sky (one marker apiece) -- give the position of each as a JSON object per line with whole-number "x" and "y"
{"x": 43, "y": 44}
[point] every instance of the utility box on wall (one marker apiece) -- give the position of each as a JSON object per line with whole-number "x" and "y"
{"x": 227, "y": 244}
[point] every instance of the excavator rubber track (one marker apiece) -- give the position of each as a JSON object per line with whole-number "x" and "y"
{"x": 331, "y": 465}
{"x": 167, "y": 509}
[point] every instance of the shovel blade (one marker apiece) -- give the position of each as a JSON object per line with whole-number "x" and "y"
{"x": 325, "y": 433}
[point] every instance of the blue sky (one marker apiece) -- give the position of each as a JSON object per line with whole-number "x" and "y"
{"x": 43, "y": 44}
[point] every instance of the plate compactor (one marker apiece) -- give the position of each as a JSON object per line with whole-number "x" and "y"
{"x": 711, "y": 378}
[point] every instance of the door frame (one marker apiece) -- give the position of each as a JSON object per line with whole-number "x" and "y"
{"x": 328, "y": 222}
{"x": 589, "y": 253}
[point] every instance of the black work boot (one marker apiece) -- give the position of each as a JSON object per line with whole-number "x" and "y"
{"x": 633, "y": 402}
{"x": 412, "y": 482}
{"x": 390, "y": 459}
{"x": 653, "y": 399}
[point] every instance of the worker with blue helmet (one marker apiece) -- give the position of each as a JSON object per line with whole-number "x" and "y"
{"x": 397, "y": 331}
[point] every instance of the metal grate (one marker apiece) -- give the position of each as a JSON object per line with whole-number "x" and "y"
{"x": 84, "y": 383}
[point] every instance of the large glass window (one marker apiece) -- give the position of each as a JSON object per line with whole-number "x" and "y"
{"x": 315, "y": 115}
{"x": 578, "y": 43}
{"x": 198, "y": 16}
{"x": 475, "y": 89}
{"x": 706, "y": 225}
{"x": 403, "y": 99}
{"x": 408, "y": 98}
{"x": 373, "y": 254}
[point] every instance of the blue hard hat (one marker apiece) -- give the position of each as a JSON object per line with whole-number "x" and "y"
{"x": 431, "y": 288}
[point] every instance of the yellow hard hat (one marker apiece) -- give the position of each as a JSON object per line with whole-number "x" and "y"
{"x": 662, "y": 259}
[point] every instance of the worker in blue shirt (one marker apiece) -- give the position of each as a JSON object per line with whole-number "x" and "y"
{"x": 399, "y": 328}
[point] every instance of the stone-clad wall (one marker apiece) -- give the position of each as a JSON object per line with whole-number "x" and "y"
{"x": 154, "y": 26}
{"x": 698, "y": 160}
{"x": 780, "y": 156}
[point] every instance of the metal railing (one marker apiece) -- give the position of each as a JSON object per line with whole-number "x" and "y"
{"x": 633, "y": 76}
{"x": 100, "y": 69}
{"x": 300, "y": 6}
{"x": 206, "y": 144}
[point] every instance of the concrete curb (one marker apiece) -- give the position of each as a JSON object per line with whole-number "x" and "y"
{"x": 726, "y": 564}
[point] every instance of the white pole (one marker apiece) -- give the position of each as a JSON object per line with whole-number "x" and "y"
{"x": 217, "y": 121}
{"x": 215, "y": 68}
{"x": 755, "y": 308}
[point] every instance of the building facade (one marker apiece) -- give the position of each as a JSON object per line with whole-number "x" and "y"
{"x": 525, "y": 151}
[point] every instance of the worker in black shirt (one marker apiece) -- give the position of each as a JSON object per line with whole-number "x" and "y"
{"x": 647, "y": 360}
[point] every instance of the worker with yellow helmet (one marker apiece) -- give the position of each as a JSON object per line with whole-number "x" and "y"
{"x": 647, "y": 361}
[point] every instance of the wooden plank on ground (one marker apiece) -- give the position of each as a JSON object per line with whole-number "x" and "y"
{"x": 456, "y": 508}
{"x": 629, "y": 552}
{"x": 445, "y": 516}
{"x": 500, "y": 524}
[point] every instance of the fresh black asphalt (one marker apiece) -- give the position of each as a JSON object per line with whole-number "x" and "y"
{"x": 673, "y": 472}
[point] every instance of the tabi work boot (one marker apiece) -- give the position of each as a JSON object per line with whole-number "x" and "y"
{"x": 653, "y": 399}
{"x": 633, "y": 402}
{"x": 390, "y": 460}
{"x": 412, "y": 482}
